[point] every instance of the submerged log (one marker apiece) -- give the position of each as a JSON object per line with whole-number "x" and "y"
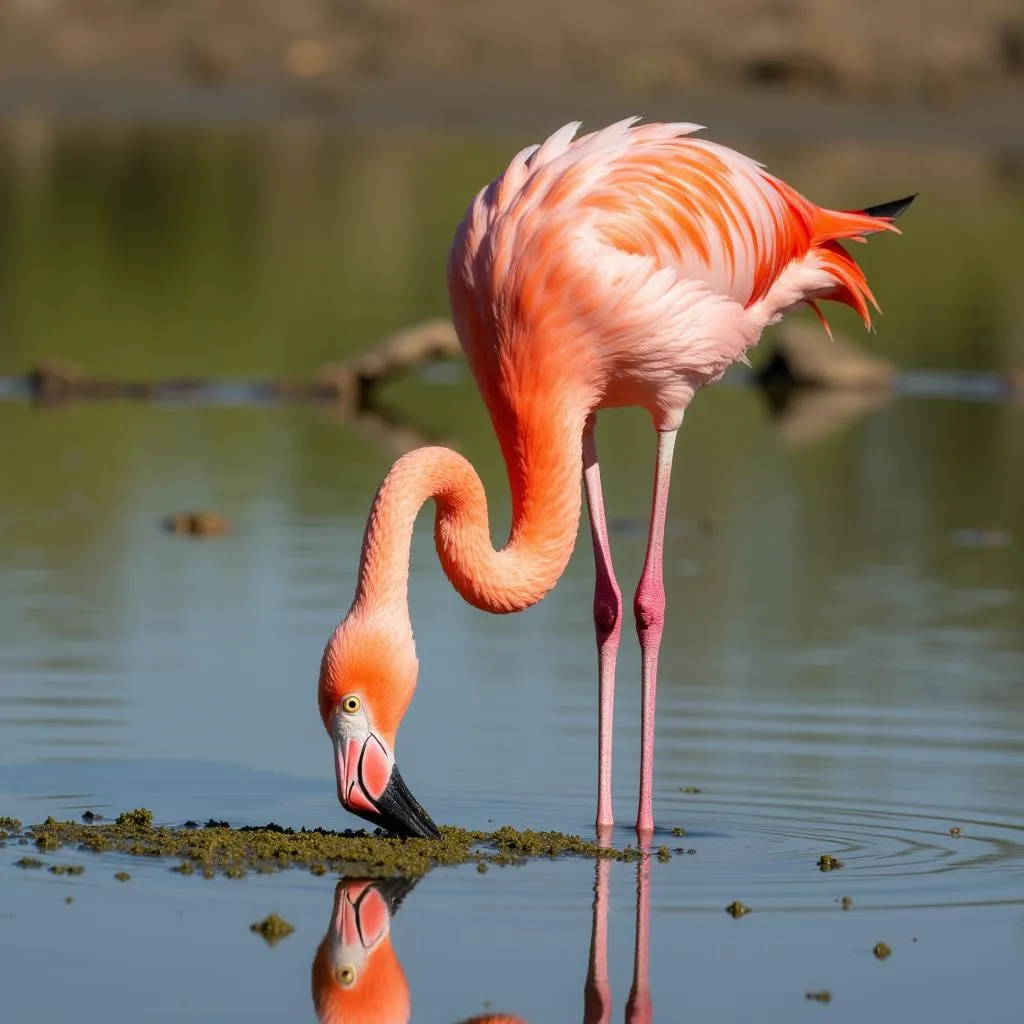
{"x": 350, "y": 385}
{"x": 804, "y": 356}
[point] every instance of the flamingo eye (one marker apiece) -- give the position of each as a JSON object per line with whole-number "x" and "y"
{"x": 351, "y": 704}
{"x": 346, "y": 975}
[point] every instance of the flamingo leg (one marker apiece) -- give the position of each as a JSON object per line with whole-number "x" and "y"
{"x": 649, "y": 609}
{"x": 607, "y": 624}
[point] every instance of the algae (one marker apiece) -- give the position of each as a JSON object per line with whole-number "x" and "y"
{"x": 10, "y": 824}
{"x": 956, "y": 833}
{"x": 272, "y": 929}
{"x": 846, "y": 902}
{"x": 28, "y": 862}
{"x": 881, "y": 951}
{"x": 218, "y": 849}
{"x": 737, "y": 910}
{"x": 824, "y": 996}
{"x": 123, "y": 876}
{"x": 67, "y": 869}
{"x": 826, "y": 862}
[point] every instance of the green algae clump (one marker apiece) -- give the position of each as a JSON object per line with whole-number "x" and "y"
{"x": 826, "y": 862}
{"x": 736, "y": 910}
{"x": 139, "y": 820}
{"x": 882, "y": 951}
{"x": 824, "y": 996}
{"x": 272, "y": 929}
{"x": 10, "y": 824}
{"x": 219, "y": 849}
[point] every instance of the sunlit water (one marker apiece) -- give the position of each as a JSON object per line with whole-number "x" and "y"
{"x": 841, "y": 673}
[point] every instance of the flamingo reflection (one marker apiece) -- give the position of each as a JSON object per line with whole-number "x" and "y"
{"x": 356, "y": 974}
{"x": 357, "y": 977}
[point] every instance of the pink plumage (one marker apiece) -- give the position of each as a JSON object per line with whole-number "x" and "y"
{"x": 631, "y": 266}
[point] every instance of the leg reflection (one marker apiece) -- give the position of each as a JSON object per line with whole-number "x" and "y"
{"x": 597, "y": 996}
{"x": 638, "y": 1008}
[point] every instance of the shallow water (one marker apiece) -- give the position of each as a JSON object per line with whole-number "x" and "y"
{"x": 841, "y": 671}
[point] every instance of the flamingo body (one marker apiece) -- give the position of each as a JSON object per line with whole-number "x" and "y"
{"x": 631, "y": 266}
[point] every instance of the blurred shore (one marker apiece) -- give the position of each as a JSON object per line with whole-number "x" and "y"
{"x": 916, "y": 71}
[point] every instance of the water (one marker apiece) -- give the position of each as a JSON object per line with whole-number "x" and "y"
{"x": 841, "y": 672}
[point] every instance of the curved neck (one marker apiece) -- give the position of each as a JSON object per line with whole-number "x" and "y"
{"x": 542, "y": 454}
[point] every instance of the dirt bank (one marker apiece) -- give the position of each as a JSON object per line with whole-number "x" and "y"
{"x": 325, "y": 55}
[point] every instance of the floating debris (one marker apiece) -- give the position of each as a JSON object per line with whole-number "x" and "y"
{"x": 218, "y": 849}
{"x": 123, "y": 876}
{"x": 956, "y": 833}
{"x": 846, "y": 902}
{"x": 737, "y": 909}
{"x": 824, "y": 996}
{"x": 67, "y": 869}
{"x": 664, "y": 854}
{"x": 197, "y": 524}
{"x": 881, "y": 951}
{"x": 69, "y": 899}
{"x": 29, "y": 863}
{"x": 273, "y": 928}
{"x": 679, "y": 831}
{"x": 826, "y": 862}
{"x": 690, "y": 789}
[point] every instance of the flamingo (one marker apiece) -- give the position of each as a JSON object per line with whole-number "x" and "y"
{"x": 628, "y": 267}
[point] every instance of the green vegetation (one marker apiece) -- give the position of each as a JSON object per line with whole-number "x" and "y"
{"x": 272, "y": 929}
{"x": 218, "y": 849}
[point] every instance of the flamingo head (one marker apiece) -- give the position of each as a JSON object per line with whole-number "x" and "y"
{"x": 366, "y": 683}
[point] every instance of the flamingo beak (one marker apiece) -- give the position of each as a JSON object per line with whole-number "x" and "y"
{"x": 371, "y": 786}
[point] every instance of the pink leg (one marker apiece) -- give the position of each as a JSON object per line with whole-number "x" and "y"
{"x": 649, "y": 608}
{"x": 607, "y": 624}
{"x": 638, "y": 1007}
{"x": 597, "y": 994}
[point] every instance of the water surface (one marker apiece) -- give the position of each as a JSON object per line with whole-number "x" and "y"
{"x": 841, "y": 671}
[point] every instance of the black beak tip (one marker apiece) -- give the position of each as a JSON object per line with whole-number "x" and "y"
{"x": 402, "y": 814}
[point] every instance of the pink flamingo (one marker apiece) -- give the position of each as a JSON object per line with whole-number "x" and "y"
{"x": 631, "y": 266}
